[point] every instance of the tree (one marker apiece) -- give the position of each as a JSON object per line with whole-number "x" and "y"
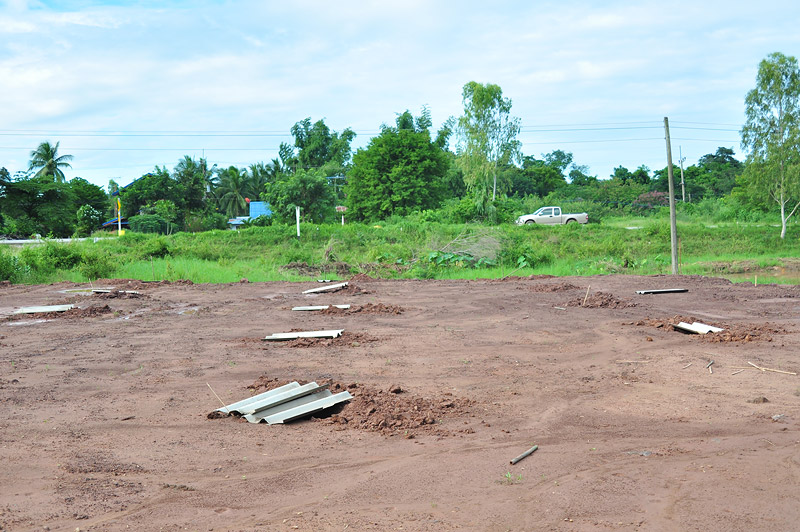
{"x": 540, "y": 177}
{"x": 234, "y": 187}
{"x": 307, "y": 189}
{"x": 400, "y": 171}
{"x": 318, "y": 146}
{"x": 486, "y": 139}
{"x": 718, "y": 172}
{"x": 193, "y": 176}
{"x": 46, "y": 160}
{"x": 771, "y": 133}
{"x": 151, "y": 187}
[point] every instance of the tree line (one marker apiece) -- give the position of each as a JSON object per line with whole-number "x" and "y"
{"x": 409, "y": 168}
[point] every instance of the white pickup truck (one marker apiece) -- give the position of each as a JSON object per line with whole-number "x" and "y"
{"x": 552, "y": 216}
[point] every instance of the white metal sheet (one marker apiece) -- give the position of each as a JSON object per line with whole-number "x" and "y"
{"x": 239, "y": 405}
{"x": 329, "y": 288}
{"x": 309, "y": 408}
{"x": 48, "y": 308}
{"x": 697, "y": 327}
{"x": 321, "y": 307}
{"x": 663, "y": 291}
{"x": 334, "y": 333}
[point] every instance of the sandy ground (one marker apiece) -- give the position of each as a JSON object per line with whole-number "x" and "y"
{"x": 106, "y": 425}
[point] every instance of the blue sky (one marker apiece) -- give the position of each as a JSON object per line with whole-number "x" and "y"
{"x": 125, "y": 86}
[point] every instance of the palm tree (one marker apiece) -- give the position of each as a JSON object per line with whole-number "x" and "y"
{"x": 233, "y": 187}
{"x": 45, "y": 158}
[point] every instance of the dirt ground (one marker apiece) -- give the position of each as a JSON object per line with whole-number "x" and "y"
{"x": 106, "y": 408}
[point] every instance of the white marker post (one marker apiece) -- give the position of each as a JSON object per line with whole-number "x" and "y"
{"x": 297, "y": 217}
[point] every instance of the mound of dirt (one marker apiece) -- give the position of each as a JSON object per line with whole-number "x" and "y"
{"x": 731, "y": 333}
{"x": 369, "y": 308}
{"x": 391, "y": 412}
{"x": 119, "y": 294}
{"x": 353, "y": 290}
{"x": 558, "y": 287}
{"x": 347, "y": 339}
{"x": 73, "y": 313}
{"x": 600, "y": 300}
{"x": 394, "y": 412}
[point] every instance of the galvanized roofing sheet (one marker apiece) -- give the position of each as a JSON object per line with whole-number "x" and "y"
{"x": 49, "y": 308}
{"x": 286, "y": 403}
{"x": 333, "y": 333}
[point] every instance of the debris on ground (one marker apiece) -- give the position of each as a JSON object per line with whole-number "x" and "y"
{"x": 331, "y": 333}
{"x": 286, "y": 403}
{"x": 600, "y": 300}
{"x": 392, "y": 411}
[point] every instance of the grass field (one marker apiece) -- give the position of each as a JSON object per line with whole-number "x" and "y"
{"x": 416, "y": 250}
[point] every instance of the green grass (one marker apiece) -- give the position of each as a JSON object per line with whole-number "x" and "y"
{"x": 411, "y": 250}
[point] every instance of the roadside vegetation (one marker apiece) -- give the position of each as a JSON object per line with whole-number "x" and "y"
{"x": 415, "y": 247}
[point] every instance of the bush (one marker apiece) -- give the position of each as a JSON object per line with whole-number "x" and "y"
{"x": 51, "y": 256}
{"x": 150, "y": 223}
{"x": 11, "y": 269}
{"x": 96, "y": 265}
{"x": 89, "y": 219}
{"x": 154, "y": 247}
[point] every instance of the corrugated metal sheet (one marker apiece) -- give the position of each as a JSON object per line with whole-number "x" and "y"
{"x": 663, "y": 291}
{"x": 286, "y": 403}
{"x": 697, "y": 327}
{"x": 334, "y": 333}
{"x": 328, "y": 288}
{"x": 50, "y": 308}
{"x": 321, "y": 307}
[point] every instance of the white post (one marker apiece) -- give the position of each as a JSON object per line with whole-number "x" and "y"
{"x": 297, "y": 217}
{"x": 119, "y": 217}
{"x": 343, "y": 219}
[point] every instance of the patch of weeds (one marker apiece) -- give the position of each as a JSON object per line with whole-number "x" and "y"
{"x": 510, "y": 478}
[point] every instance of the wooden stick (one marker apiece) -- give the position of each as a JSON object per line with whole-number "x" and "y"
{"x": 523, "y": 455}
{"x": 220, "y": 400}
{"x": 772, "y": 370}
{"x": 687, "y": 365}
{"x": 709, "y": 364}
{"x": 587, "y": 296}
{"x": 737, "y": 371}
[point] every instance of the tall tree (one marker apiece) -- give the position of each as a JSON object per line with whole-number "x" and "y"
{"x": 234, "y": 187}
{"x": 400, "y": 171}
{"x": 318, "y": 146}
{"x": 487, "y": 139}
{"x": 46, "y": 160}
{"x": 771, "y": 133}
{"x": 193, "y": 175}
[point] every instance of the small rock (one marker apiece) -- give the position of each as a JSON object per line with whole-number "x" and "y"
{"x": 395, "y": 389}
{"x": 244, "y": 280}
{"x": 759, "y": 400}
{"x": 779, "y": 418}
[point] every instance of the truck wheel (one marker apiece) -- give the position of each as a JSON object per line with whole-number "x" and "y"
{"x": 570, "y": 220}
{"x": 529, "y": 222}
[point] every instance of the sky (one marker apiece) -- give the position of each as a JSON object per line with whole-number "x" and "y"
{"x": 126, "y": 86}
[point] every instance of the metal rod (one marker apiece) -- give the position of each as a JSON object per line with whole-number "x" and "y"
{"x": 525, "y": 454}
{"x": 220, "y": 400}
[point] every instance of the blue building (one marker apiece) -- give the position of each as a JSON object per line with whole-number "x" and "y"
{"x": 257, "y": 208}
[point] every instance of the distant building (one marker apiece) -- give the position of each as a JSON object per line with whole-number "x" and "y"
{"x": 257, "y": 208}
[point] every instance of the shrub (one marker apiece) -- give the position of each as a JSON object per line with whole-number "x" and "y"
{"x": 11, "y": 268}
{"x": 96, "y": 265}
{"x": 89, "y": 219}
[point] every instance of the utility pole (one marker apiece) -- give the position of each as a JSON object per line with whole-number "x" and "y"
{"x": 673, "y": 228}
{"x": 681, "y": 158}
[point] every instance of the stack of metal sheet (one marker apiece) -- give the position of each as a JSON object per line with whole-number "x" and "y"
{"x": 286, "y": 403}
